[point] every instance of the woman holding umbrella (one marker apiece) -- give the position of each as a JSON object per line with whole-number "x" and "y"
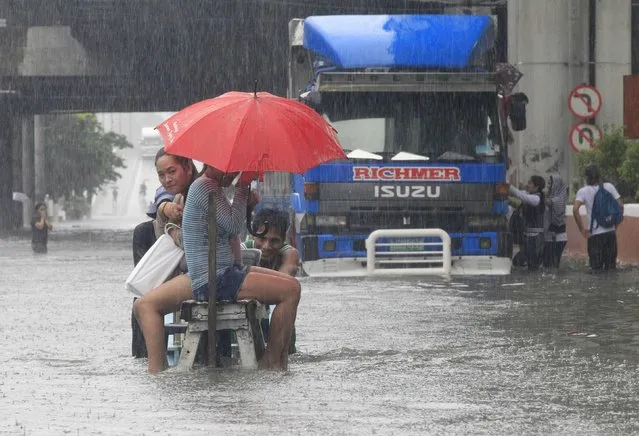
{"x": 235, "y": 132}
{"x": 234, "y": 281}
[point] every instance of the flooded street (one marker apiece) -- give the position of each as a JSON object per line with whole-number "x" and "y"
{"x": 513, "y": 355}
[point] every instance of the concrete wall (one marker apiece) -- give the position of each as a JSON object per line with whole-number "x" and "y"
{"x": 12, "y": 41}
{"x": 53, "y": 51}
{"x": 548, "y": 42}
{"x": 613, "y": 57}
{"x": 627, "y": 236}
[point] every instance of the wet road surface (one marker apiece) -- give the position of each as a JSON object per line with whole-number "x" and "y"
{"x": 541, "y": 354}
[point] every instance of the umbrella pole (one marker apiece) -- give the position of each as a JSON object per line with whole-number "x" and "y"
{"x": 212, "y": 235}
{"x": 249, "y": 215}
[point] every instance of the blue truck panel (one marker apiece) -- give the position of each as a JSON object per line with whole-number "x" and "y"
{"x": 440, "y": 173}
{"x": 419, "y": 41}
{"x": 469, "y": 245}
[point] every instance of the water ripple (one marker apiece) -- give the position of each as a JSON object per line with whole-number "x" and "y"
{"x": 542, "y": 354}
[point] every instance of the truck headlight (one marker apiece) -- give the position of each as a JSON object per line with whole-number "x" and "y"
{"x": 485, "y": 243}
{"x": 329, "y": 220}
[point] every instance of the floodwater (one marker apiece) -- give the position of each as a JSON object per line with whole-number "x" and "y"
{"x": 551, "y": 354}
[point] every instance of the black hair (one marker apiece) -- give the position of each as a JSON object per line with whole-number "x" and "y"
{"x": 185, "y": 162}
{"x": 277, "y": 219}
{"x": 37, "y": 206}
{"x": 540, "y": 183}
{"x": 593, "y": 177}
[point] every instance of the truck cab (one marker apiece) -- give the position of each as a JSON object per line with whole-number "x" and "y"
{"x": 420, "y": 106}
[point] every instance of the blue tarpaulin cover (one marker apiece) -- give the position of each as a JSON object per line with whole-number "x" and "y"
{"x": 401, "y": 41}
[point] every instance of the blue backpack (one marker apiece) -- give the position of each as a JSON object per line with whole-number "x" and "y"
{"x": 605, "y": 209}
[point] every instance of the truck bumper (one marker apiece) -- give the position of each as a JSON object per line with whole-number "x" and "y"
{"x": 356, "y": 266}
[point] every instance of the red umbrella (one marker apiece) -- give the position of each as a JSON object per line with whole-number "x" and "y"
{"x": 246, "y": 131}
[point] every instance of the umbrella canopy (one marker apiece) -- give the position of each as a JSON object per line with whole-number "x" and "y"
{"x": 246, "y": 131}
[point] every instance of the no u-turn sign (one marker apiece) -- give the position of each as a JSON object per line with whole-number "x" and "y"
{"x": 584, "y": 136}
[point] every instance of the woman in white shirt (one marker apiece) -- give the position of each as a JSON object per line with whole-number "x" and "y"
{"x": 602, "y": 240}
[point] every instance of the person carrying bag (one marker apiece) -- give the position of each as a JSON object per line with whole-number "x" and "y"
{"x": 157, "y": 265}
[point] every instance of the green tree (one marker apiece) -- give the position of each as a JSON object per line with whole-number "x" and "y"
{"x": 80, "y": 156}
{"x": 617, "y": 159}
{"x": 630, "y": 167}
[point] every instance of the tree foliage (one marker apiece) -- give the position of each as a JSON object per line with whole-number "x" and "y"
{"x": 617, "y": 159}
{"x": 630, "y": 167}
{"x": 80, "y": 155}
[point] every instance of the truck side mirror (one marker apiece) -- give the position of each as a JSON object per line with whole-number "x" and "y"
{"x": 517, "y": 111}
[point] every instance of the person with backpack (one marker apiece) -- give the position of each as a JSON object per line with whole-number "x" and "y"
{"x": 533, "y": 207}
{"x": 556, "y": 236}
{"x": 605, "y": 212}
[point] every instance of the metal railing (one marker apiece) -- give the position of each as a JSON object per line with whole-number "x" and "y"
{"x": 408, "y": 251}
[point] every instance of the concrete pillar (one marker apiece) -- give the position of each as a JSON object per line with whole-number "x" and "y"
{"x": 38, "y": 158}
{"x": 6, "y": 170}
{"x": 16, "y": 152}
{"x": 547, "y": 42}
{"x": 613, "y": 57}
{"x": 28, "y": 177}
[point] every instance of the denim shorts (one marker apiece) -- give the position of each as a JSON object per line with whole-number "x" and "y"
{"x": 227, "y": 284}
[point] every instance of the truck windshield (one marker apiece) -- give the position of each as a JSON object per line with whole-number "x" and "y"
{"x": 439, "y": 126}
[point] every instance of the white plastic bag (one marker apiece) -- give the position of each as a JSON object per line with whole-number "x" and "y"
{"x": 155, "y": 267}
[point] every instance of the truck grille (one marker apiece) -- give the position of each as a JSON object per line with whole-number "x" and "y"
{"x": 452, "y": 221}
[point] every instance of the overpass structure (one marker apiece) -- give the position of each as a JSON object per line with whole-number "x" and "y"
{"x": 151, "y": 55}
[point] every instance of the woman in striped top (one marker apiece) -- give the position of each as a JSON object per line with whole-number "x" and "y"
{"x": 234, "y": 281}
